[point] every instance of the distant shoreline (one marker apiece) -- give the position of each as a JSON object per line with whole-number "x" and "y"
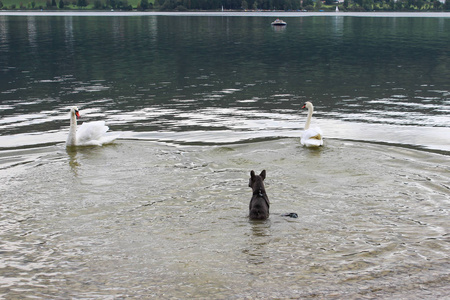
{"x": 226, "y": 14}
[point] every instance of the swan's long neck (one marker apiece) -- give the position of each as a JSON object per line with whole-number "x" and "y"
{"x": 72, "y": 138}
{"x": 308, "y": 119}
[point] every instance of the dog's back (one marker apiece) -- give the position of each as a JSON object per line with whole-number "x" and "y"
{"x": 259, "y": 204}
{"x": 259, "y": 207}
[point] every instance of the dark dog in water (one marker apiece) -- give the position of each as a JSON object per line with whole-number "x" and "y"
{"x": 259, "y": 205}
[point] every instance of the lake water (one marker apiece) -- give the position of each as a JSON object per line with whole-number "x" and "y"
{"x": 200, "y": 100}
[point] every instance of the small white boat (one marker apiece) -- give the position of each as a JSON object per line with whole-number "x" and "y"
{"x": 279, "y": 22}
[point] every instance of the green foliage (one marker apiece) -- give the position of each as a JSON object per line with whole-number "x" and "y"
{"x": 82, "y": 3}
{"x": 346, "y": 4}
{"x": 367, "y": 5}
{"x": 182, "y": 5}
{"x": 123, "y": 5}
{"x": 390, "y": 5}
{"x": 143, "y": 5}
{"x": 318, "y": 5}
{"x": 308, "y": 3}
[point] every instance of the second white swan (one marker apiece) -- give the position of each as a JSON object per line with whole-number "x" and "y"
{"x": 89, "y": 133}
{"x": 311, "y": 137}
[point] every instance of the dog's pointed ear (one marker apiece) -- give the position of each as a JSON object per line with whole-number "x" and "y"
{"x": 252, "y": 174}
{"x": 263, "y": 174}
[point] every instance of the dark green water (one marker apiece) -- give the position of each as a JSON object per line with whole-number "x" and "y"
{"x": 201, "y": 101}
{"x": 150, "y": 74}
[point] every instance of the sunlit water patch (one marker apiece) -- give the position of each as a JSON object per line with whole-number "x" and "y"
{"x": 217, "y": 125}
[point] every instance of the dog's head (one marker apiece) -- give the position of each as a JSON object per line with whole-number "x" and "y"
{"x": 256, "y": 181}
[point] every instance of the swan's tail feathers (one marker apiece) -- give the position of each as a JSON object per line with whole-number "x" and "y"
{"x": 110, "y": 137}
{"x": 312, "y": 143}
{"x": 312, "y": 138}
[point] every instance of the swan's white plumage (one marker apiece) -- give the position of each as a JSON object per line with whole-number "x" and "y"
{"x": 89, "y": 133}
{"x": 311, "y": 137}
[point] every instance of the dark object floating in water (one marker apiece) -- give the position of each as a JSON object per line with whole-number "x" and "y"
{"x": 279, "y": 22}
{"x": 291, "y": 215}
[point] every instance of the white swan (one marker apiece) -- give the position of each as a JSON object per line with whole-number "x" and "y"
{"x": 311, "y": 137}
{"x": 88, "y": 134}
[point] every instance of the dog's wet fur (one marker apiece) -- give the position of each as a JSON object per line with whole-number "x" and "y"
{"x": 259, "y": 205}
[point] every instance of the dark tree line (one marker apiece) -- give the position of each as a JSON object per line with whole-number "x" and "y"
{"x": 181, "y": 5}
{"x": 362, "y": 5}
{"x": 230, "y": 4}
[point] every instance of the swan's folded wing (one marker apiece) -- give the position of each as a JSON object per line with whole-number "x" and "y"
{"x": 312, "y": 133}
{"x": 91, "y": 133}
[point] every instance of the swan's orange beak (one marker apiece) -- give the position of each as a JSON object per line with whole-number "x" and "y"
{"x": 304, "y": 105}
{"x": 77, "y": 114}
